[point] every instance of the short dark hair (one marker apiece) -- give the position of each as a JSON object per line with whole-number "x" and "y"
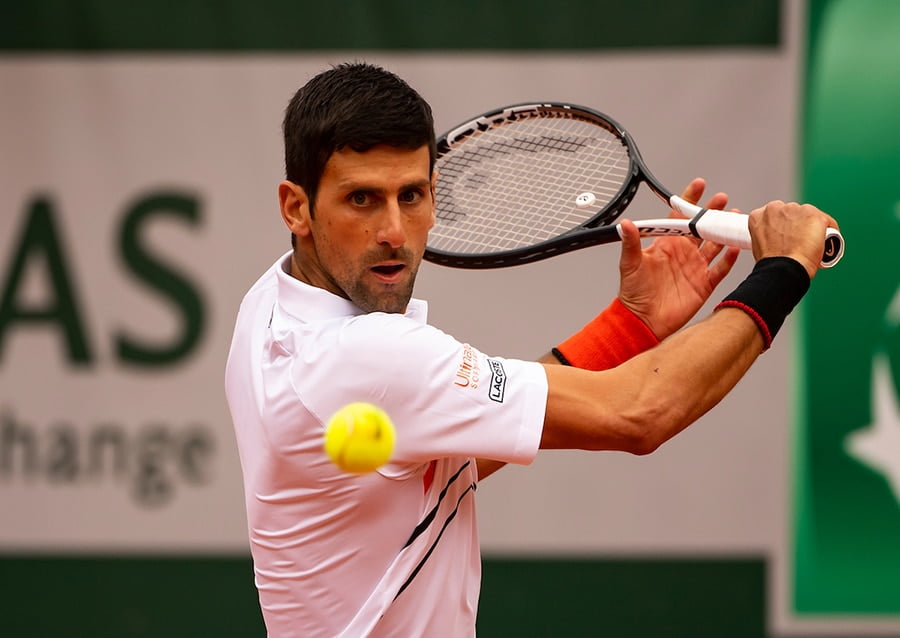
{"x": 355, "y": 105}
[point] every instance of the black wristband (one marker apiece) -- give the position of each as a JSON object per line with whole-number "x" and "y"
{"x": 769, "y": 293}
{"x": 560, "y": 357}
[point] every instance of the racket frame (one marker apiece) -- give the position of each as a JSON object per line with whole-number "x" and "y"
{"x": 595, "y": 230}
{"x": 719, "y": 226}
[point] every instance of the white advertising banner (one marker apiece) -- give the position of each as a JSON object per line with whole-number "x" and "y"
{"x": 137, "y": 204}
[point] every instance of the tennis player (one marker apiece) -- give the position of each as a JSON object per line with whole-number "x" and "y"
{"x": 395, "y": 552}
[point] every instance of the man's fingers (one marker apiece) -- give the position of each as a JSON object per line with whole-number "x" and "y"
{"x": 694, "y": 191}
{"x": 709, "y": 250}
{"x": 630, "y": 258}
{"x": 721, "y": 268}
{"x": 717, "y": 202}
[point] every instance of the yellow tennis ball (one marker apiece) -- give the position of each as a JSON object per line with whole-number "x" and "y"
{"x": 359, "y": 438}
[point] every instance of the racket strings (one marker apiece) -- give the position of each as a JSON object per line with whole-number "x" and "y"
{"x": 515, "y": 185}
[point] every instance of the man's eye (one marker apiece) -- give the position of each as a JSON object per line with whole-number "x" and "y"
{"x": 410, "y": 196}
{"x": 359, "y": 198}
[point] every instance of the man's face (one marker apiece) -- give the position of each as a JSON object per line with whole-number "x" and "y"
{"x": 368, "y": 230}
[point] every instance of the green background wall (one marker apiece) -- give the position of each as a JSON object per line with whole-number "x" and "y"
{"x": 175, "y": 598}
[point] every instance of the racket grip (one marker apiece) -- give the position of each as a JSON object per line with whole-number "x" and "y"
{"x": 731, "y": 229}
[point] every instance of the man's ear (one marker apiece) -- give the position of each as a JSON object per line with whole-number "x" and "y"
{"x": 294, "y": 206}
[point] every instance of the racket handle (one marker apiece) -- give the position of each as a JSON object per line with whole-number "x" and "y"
{"x": 731, "y": 229}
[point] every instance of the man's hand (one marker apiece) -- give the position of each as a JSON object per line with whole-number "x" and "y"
{"x": 669, "y": 281}
{"x": 790, "y": 230}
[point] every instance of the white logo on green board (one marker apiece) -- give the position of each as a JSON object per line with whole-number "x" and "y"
{"x": 878, "y": 445}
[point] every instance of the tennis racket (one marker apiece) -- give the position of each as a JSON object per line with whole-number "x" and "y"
{"x": 530, "y": 181}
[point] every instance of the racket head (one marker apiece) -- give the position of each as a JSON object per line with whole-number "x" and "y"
{"x": 509, "y": 183}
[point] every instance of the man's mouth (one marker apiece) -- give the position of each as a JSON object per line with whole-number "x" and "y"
{"x": 388, "y": 272}
{"x": 389, "y": 269}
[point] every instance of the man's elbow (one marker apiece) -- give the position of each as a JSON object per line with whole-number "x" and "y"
{"x": 653, "y": 428}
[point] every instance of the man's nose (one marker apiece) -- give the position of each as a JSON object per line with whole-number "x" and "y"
{"x": 391, "y": 229}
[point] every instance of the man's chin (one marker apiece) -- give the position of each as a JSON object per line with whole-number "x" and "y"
{"x": 390, "y": 301}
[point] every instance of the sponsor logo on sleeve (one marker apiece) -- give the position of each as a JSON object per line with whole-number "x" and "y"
{"x": 467, "y": 375}
{"x": 498, "y": 381}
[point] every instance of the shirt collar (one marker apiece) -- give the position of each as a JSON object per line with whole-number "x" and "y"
{"x": 304, "y": 301}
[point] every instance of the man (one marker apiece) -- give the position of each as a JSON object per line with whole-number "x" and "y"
{"x": 395, "y": 553}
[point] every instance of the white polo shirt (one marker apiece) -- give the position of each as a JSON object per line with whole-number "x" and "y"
{"x": 390, "y": 553}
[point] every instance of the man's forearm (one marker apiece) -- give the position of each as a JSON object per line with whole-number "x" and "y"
{"x": 653, "y": 396}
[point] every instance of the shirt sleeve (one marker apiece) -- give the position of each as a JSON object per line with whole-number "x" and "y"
{"x": 446, "y": 398}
